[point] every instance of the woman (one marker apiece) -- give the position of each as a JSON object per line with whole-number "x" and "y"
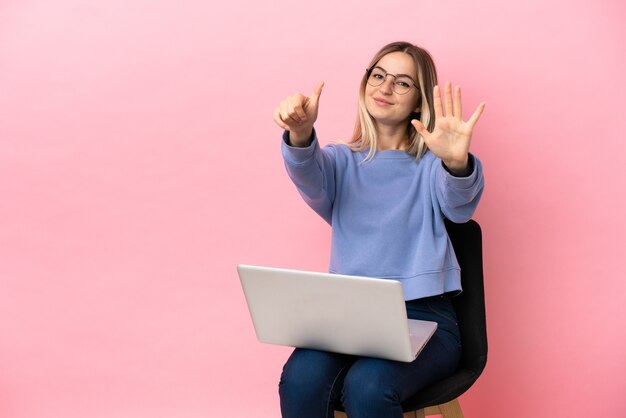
{"x": 386, "y": 195}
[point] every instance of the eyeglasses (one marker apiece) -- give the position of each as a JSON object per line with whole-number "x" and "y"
{"x": 402, "y": 83}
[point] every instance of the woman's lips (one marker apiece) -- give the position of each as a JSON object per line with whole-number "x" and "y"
{"x": 382, "y": 102}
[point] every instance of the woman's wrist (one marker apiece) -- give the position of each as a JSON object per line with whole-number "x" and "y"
{"x": 459, "y": 168}
{"x": 300, "y": 139}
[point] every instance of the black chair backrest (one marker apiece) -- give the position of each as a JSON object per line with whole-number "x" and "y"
{"x": 470, "y": 304}
{"x": 470, "y": 309}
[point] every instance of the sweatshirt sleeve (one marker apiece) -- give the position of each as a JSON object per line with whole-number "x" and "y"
{"x": 312, "y": 170}
{"x": 458, "y": 197}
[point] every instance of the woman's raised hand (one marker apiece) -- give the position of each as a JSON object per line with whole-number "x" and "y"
{"x": 451, "y": 137}
{"x": 297, "y": 114}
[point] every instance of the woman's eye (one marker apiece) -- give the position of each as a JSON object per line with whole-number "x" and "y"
{"x": 403, "y": 84}
{"x": 378, "y": 76}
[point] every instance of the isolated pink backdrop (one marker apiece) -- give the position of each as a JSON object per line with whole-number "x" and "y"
{"x": 139, "y": 164}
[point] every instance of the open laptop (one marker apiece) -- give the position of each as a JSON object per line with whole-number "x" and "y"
{"x": 331, "y": 312}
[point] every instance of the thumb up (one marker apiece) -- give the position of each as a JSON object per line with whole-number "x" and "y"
{"x": 297, "y": 114}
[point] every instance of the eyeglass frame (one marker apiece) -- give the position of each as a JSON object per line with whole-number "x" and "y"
{"x": 368, "y": 71}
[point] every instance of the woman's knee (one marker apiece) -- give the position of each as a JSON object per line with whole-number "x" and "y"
{"x": 310, "y": 373}
{"x": 364, "y": 389}
{"x": 309, "y": 381}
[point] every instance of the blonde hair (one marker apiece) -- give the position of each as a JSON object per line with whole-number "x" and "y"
{"x": 365, "y": 136}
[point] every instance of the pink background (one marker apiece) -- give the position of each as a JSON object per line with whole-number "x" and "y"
{"x": 139, "y": 164}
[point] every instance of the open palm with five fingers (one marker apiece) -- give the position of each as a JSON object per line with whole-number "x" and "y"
{"x": 451, "y": 137}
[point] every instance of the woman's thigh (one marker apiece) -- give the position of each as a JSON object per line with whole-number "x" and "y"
{"x": 375, "y": 386}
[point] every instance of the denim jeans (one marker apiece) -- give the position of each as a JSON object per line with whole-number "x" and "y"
{"x": 312, "y": 381}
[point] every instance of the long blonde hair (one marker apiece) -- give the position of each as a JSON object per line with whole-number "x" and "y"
{"x": 365, "y": 136}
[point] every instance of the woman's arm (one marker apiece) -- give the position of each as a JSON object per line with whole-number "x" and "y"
{"x": 311, "y": 169}
{"x": 458, "y": 183}
{"x": 458, "y": 196}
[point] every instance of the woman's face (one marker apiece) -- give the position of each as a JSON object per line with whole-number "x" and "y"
{"x": 383, "y": 103}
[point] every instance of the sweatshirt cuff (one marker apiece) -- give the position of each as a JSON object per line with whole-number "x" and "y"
{"x": 298, "y": 155}
{"x": 467, "y": 181}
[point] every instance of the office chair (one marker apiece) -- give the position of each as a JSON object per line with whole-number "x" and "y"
{"x": 441, "y": 398}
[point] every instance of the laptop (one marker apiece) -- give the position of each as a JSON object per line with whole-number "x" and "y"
{"x": 355, "y": 315}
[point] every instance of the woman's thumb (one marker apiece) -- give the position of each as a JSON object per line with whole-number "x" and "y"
{"x": 317, "y": 92}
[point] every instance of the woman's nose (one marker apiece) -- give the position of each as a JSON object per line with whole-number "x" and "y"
{"x": 387, "y": 86}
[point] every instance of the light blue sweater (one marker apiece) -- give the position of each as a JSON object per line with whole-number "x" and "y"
{"x": 387, "y": 214}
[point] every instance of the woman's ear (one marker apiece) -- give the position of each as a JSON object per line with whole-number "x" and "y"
{"x": 418, "y": 109}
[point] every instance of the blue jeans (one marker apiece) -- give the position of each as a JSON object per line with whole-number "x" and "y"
{"x": 312, "y": 381}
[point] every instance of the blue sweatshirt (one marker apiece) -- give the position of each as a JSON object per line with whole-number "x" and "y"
{"x": 387, "y": 214}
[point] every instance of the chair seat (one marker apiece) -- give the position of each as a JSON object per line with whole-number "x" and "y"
{"x": 450, "y": 409}
{"x": 443, "y": 391}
